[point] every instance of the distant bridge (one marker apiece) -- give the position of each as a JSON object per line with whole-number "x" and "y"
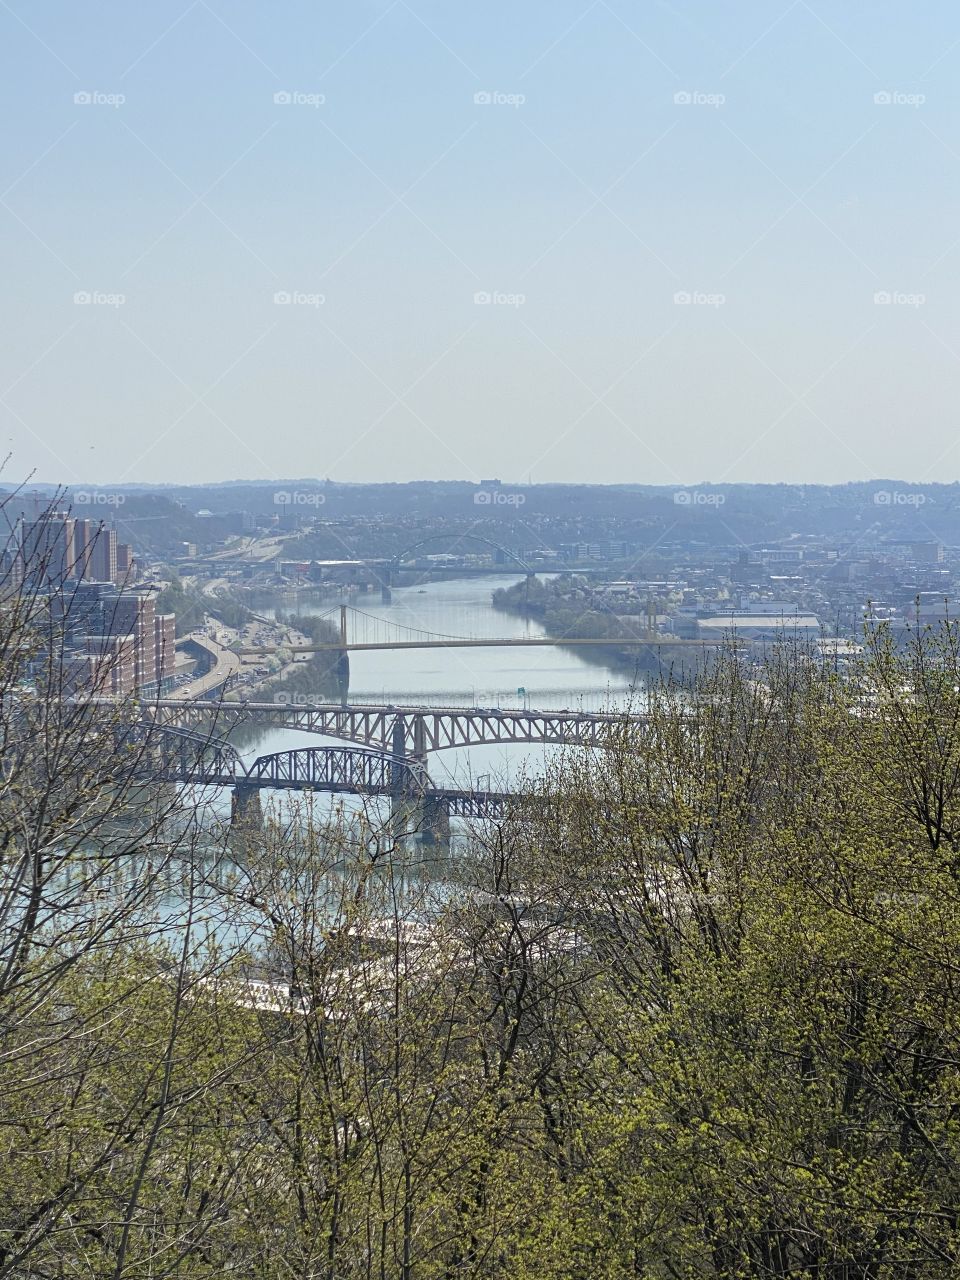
{"x": 336, "y": 770}
{"x": 407, "y": 731}
{"x": 166, "y": 748}
{"x": 486, "y": 642}
{"x": 371, "y": 632}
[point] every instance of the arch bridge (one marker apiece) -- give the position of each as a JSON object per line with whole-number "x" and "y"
{"x": 165, "y": 747}
{"x": 407, "y": 731}
{"x": 339, "y": 770}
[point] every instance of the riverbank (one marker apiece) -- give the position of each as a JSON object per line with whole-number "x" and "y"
{"x": 564, "y": 611}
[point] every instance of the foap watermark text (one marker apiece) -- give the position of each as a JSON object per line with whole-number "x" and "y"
{"x": 697, "y": 298}
{"x": 896, "y": 298}
{"x": 697, "y": 498}
{"x": 297, "y": 98}
{"x": 96, "y": 298}
{"x": 498, "y": 498}
{"x": 93, "y": 498}
{"x": 298, "y": 498}
{"x": 896, "y": 498}
{"x": 498, "y": 299}
{"x": 495, "y": 98}
{"x": 97, "y": 98}
{"x": 296, "y": 298}
{"x": 896, "y": 98}
{"x": 697, "y": 98}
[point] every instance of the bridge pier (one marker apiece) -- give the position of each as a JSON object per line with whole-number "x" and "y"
{"x": 435, "y": 823}
{"x": 246, "y": 810}
{"x": 343, "y": 676}
{"x": 400, "y": 811}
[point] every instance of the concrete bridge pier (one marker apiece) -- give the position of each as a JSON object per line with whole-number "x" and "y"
{"x": 246, "y": 811}
{"x": 435, "y": 824}
{"x": 399, "y": 792}
{"x": 343, "y": 676}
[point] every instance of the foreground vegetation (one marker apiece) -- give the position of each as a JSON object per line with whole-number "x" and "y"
{"x": 691, "y": 1010}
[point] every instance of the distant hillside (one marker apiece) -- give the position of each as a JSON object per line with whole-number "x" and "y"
{"x": 515, "y": 514}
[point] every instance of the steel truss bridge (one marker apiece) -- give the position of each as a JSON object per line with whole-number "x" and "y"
{"x": 337, "y": 770}
{"x": 404, "y": 731}
{"x": 162, "y": 749}
{"x": 386, "y": 757}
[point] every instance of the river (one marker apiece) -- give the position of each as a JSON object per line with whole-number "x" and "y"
{"x": 552, "y": 678}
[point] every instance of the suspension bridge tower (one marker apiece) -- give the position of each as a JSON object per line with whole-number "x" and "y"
{"x": 343, "y": 659}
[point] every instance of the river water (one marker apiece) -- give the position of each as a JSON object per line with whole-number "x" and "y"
{"x": 552, "y": 678}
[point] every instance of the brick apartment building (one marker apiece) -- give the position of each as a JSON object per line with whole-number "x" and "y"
{"x": 115, "y": 640}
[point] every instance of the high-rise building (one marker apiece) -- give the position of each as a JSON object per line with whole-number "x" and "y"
{"x": 124, "y": 564}
{"x": 103, "y": 558}
{"x": 129, "y": 645}
{"x": 47, "y": 548}
{"x": 134, "y": 615}
{"x": 102, "y": 665}
{"x": 84, "y": 536}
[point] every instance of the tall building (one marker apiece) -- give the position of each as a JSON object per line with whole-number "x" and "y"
{"x": 47, "y": 548}
{"x": 103, "y": 665}
{"x": 124, "y": 564}
{"x": 115, "y": 640}
{"x": 135, "y": 615}
{"x": 103, "y": 558}
{"x": 84, "y": 537}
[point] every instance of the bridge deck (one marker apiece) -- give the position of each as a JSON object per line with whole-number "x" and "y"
{"x": 412, "y": 730}
{"x": 523, "y": 642}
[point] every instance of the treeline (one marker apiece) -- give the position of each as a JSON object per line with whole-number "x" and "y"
{"x": 561, "y": 615}
{"x": 692, "y": 1009}
{"x": 317, "y": 677}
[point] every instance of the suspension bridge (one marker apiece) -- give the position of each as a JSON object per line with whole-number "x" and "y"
{"x": 359, "y": 631}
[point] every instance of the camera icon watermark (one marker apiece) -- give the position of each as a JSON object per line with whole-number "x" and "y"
{"x": 498, "y": 498}
{"x": 896, "y": 98}
{"x": 483, "y": 298}
{"x": 296, "y": 98}
{"x": 894, "y": 298}
{"x": 895, "y": 498}
{"x": 697, "y": 498}
{"x": 494, "y": 98}
{"x": 295, "y": 298}
{"x": 95, "y": 298}
{"x": 697, "y": 98}
{"x": 298, "y": 498}
{"x": 285, "y": 699}
{"x": 97, "y": 98}
{"x": 93, "y": 498}
{"x": 696, "y": 298}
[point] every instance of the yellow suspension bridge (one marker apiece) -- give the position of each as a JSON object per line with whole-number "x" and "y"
{"x": 370, "y": 633}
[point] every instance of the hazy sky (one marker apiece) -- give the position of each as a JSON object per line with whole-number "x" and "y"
{"x": 382, "y": 163}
